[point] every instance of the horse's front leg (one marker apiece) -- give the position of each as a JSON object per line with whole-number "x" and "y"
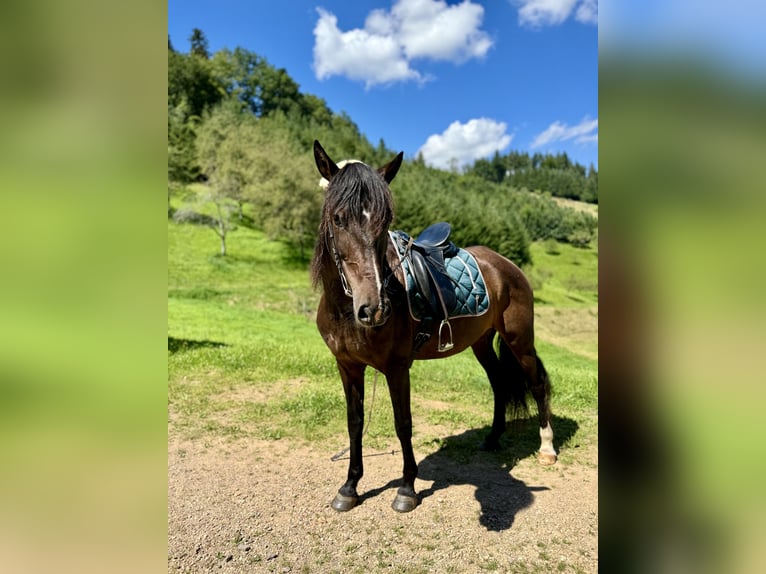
{"x": 353, "y": 386}
{"x": 398, "y": 379}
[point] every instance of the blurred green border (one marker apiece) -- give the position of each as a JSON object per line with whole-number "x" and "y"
{"x": 83, "y": 383}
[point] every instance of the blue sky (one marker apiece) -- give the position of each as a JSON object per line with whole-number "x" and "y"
{"x": 453, "y": 80}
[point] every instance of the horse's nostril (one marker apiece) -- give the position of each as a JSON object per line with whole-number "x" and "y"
{"x": 373, "y": 316}
{"x": 365, "y": 314}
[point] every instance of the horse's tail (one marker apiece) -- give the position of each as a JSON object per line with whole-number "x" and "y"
{"x": 517, "y": 387}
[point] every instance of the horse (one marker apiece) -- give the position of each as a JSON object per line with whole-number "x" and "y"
{"x": 364, "y": 319}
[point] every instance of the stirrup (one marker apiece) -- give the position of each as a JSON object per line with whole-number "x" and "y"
{"x": 447, "y": 345}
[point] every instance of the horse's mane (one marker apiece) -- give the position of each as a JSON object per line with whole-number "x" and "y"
{"x": 354, "y": 189}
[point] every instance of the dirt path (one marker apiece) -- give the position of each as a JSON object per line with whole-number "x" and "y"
{"x": 263, "y": 506}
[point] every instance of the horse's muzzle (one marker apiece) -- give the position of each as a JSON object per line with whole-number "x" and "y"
{"x": 374, "y": 316}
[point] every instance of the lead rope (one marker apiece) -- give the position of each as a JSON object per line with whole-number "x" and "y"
{"x": 337, "y": 455}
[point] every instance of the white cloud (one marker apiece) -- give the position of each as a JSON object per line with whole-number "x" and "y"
{"x": 432, "y": 29}
{"x": 538, "y": 13}
{"x": 587, "y": 12}
{"x": 358, "y": 54}
{"x": 461, "y": 144}
{"x": 582, "y": 133}
{"x": 586, "y": 139}
{"x": 382, "y": 51}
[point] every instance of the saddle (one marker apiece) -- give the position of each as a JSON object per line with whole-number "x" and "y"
{"x": 426, "y": 254}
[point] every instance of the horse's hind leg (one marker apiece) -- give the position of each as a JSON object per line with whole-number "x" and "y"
{"x": 540, "y": 387}
{"x": 520, "y": 349}
{"x": 486, "y": 356}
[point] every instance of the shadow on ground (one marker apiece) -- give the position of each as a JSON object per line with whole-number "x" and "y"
{"x": 501, "y": 496}
{"x": 176, "y": 345}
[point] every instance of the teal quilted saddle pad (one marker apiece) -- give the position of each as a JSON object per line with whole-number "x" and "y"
{"x": 471, "y": 298}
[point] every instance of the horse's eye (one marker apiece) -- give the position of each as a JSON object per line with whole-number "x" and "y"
{"x": 338, "y": 221}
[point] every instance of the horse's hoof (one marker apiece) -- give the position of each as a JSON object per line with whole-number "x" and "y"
{"x": 344, "y": 503}
{"x": 546, "y": 458}
{"x": 404, "y": 503}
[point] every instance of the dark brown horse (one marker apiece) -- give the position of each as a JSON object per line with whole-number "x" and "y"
{"x": 364, "y": 319}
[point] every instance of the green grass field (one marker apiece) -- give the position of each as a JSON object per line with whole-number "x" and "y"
{"x": 245, "y": 358}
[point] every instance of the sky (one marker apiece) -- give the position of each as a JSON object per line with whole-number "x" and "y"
{"x": 455, "y": 81}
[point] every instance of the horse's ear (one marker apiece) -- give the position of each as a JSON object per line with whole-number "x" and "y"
{"x": 390, "y": 170}
{"x": 325, "y": 165}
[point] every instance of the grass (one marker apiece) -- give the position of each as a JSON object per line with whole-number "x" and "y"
{"x": 564, "y": 277}
{"x": 245, "y": 358}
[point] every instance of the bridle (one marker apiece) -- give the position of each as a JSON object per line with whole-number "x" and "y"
{"x": 343, "y": 281}
{"x": 338, "y": 264}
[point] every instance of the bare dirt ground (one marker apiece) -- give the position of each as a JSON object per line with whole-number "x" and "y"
{"x": 237, "y": 505}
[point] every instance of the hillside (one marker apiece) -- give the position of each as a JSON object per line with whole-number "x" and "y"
{"x": 245, "y": 129}
{"x": 247, "y": 318}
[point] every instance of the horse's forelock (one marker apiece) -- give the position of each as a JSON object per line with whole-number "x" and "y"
{"x": 360, "y": 192}
{"x": 356, "y": 189}
{"x": 324, "y": 184}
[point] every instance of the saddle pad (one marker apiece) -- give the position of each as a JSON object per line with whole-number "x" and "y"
{"x": 471, "y": 298}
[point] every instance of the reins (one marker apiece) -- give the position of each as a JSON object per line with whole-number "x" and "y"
{"x": 392, "y": 270}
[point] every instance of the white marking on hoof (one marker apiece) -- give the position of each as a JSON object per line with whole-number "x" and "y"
{"x": 547, "y": 454}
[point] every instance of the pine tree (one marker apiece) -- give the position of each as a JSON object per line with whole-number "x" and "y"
{"x": 199, "y": 44}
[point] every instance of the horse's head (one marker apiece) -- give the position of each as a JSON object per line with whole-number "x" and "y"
{"x": 357, "y": 212}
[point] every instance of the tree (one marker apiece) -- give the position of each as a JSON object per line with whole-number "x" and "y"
{"x": 198, "y": 43}
{"x": 182, "y": 160}
{"x": 282, "y": 187}
{"x": 221, "y": 223}
{"x": 279, "y": 92}
{"x": 591, "y": 186}
{"x": 499, "y": 168}
{"x": 263, "y": 88}
{"x": 190, "y": 79}
{"x": 482, "y": 168}
{"x": 517, "y": 161}
{"x": 493, "y": 170}
{"x": 315, "y": 109}
{"x": 224, "y": 150}
{"x": 515, "y": 243}
{"x": 254, "y": 161}
{"x": 237, "y": 72}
